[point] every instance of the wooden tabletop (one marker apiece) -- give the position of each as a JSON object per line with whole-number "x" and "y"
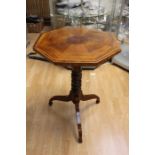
{"x": 77, "y": 46}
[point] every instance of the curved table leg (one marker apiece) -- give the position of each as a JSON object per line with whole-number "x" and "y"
{"x": 60, "y": 98}
{"x": 89, "y": 97}
{"x": 75, "y": 96}
{"x": 78, "y": 121}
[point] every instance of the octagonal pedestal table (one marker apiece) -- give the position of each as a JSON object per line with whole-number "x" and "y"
{"x": 77, "y": 47}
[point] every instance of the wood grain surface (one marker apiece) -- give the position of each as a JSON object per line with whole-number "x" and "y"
{"x": 80, "y": 46}
{"x": 52, "y": 131}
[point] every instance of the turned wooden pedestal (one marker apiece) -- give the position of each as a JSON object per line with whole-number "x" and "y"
{"x": 76, "y": 47}
{"x": 75, "y": 96}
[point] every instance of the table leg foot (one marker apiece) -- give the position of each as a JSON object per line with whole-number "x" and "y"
{"x": 80, "y": 134}
{"x": 89, "y": 97}
{"x": 60, "y": 98}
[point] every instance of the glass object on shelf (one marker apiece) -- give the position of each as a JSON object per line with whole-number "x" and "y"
{"x": 100, "y": 14}
{"x": 123, "y": 33}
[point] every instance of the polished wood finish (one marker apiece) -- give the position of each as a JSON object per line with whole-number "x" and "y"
{"x": 77, "y": 47}
{"x": 51, "y": 131}
{"x": 75, "y": 96}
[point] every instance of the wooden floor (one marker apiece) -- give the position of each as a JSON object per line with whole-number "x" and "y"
{"x": 52, "y": 130}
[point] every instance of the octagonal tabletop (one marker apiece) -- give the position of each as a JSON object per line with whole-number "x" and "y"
{"x": 77, "y": 46}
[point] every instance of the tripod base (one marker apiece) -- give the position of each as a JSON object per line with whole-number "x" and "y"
{"x": 75, "y": 96}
